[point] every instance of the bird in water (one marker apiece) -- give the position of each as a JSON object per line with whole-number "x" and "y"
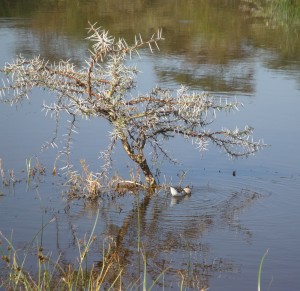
{"x": 180, "y": 192}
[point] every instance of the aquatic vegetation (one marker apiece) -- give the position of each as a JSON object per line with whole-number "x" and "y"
{"x": 284, "y": 13}
{"x": 123, "y": 257}
{"x": 8, "y": 178}
{"x": 58, "y": 275}
{"x": 84, "y": 185}
{"x": 29, "y": 171}
{"x": 260, "y": 269}
{"x": 55, "y": 275}
{"x": 104, "y": 88}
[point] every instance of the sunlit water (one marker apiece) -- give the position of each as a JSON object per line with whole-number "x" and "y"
{"x": 222, "y": 230}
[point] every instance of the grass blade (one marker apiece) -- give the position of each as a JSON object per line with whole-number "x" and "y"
{"x": 260, "y": 269}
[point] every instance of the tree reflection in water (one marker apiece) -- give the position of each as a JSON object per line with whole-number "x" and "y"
{"x": 171, "y": 243}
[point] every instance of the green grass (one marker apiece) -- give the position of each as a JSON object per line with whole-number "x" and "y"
{"x": 57, "y": 275}
{"x": 260, "y": 269}
{"x": 284, "y": 13}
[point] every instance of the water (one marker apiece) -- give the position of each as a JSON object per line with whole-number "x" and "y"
{"x": 219, "y": 234}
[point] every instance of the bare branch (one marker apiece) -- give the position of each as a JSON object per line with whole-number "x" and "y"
{"x": 103, "y": 88}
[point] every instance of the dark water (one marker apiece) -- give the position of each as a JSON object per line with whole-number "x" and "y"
{"x": 217, "y": 236}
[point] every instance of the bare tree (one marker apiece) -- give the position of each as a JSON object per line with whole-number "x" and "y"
{"x": 104, "y": 88}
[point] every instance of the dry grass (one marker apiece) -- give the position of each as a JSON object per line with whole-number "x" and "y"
{"x": 55, "y": 274}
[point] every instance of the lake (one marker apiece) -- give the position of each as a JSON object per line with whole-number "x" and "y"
{"x": 239, "y": 208}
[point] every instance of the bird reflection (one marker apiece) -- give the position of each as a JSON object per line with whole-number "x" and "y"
{"x": 179, "y": 199}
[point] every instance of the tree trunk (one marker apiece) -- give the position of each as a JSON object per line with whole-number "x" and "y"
{"x": 141, "y": 161}
{"x": 147, "y": 172}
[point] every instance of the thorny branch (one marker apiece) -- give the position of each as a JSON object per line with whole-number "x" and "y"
{"x": 103, "y": 88}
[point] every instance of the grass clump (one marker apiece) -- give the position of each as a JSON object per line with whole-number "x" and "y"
{"x": 54, "y": 274}
{"x": 85, "y": 185}
{"x": 107, "y": 273}
{"x": 8, "y": 178}
{"x": 90, "y": 186}
{"x": 283, "y": 13}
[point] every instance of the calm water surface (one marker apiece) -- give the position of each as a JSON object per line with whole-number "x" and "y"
{"x": 217, "y": 236}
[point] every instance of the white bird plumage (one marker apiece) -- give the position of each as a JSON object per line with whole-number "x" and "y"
{"x": 179, "y": 192}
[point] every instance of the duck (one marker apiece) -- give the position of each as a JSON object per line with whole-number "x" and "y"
{"x": 187, "y": 190}
{"x": 180, "y": 192}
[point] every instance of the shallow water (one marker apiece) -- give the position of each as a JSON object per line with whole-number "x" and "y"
{"x": 221, "y": 231}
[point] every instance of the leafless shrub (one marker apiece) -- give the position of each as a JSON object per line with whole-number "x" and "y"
{"x": 104, "y": 88}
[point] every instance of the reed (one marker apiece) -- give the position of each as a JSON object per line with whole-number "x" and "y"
{"x": 28, "y": 170}
{"x": 279, "y": 13}
{"x": 8, "y": 178}
{"x": 56, "y": 275}
{"x": 260, "y": 269}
